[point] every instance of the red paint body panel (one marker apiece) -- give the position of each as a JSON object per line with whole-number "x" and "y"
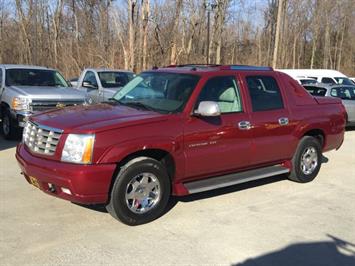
{"x": 200, "y": 147}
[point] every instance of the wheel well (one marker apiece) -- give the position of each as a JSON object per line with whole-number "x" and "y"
{"x": 160, "y": 155}
{"x": 3, "y": 107}
{"x": 318, "y": 134}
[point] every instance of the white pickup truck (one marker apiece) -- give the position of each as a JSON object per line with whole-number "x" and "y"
{"x": 26, "y": 90}
{"x": 101, "y": 84}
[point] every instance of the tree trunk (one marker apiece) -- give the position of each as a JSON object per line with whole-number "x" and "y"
{"x": 131, "y": 32}
{"x": 173, "y": 44}
{"x": 277, "y": 34}
{"x": 145, "y": 19}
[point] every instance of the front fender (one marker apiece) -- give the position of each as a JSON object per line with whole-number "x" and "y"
{"x": 119, "y": 151}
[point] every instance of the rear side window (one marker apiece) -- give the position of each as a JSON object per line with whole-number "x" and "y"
{"x": 328, "y": 80}
{"x": 264, "y": 93}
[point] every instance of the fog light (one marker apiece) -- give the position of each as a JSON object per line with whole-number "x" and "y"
{"x": 66, "y": 190}
{"x": 51, "y": 187}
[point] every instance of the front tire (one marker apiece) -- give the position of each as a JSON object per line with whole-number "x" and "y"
{"x": 307, "y": 160}
{"x": 140, "y": 192}
{"x": 9, "y": 130}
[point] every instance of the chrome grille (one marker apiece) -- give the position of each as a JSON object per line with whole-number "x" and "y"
{"x": 41, "y": 139}
{"x": 43, "y": 105}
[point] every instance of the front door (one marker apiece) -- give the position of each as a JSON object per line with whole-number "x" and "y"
{"x": 90, "y": 86}
{"x": 216, "y": 145}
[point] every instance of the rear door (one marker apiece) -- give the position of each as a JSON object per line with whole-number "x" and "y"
{"x": 216, "y": 145}
{"x": 271, "y": 122}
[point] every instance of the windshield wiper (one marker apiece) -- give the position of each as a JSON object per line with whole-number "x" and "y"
{"x": 138, "y": 105}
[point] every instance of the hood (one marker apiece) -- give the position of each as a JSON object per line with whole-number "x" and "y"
{"x": 95, "y": 118}
{"x": 49, "y": 93}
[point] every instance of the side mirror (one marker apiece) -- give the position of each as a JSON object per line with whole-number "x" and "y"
{"x": 88, "y": 85}
{"x": 208, "y": 108}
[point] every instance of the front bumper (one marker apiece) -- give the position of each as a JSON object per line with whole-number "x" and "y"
{"x": 88, "y": 184}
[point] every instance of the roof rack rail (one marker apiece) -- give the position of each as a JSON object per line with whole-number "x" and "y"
{"x": 246, "y": 67}
{"x": 195, "y": 65}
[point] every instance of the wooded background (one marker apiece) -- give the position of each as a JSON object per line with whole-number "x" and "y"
{"x": 139, "y": 34}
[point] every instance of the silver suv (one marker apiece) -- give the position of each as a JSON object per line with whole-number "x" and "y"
{"x": 25, "y": 90}
{"x": 345, "y": 92}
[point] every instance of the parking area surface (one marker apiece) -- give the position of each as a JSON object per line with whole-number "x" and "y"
{"x": 270, "y": 222}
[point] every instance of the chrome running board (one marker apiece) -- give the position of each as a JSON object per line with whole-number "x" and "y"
{"x": 233, "y": 179}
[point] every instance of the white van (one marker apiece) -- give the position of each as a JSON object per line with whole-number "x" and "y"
{"x": 328, "y": 76}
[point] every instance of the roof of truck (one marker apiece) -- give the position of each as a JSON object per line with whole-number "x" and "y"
{"x": 107, "y": 70}
{"x": 11, "y": 66}
{"x": 203, "y": 68}
{"x": 312, "y": 72}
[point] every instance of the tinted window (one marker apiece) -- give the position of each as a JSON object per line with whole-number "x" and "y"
{"x": 264, "y": 93}
{"x": 224, "y": 91}
{"x": 344, "y": 81}
{"x": 316, "y": 91}
{"x": 345, "y": 93}
{"x": 328, "y": 80}
{"x": 90, "y": 78}
{"x": 114, "y": 79}
{"x": 34, "y": 77}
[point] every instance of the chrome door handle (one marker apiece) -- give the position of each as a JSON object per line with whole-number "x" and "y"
{"x": 244, "y": 125}
{"x": 283, "y": 121}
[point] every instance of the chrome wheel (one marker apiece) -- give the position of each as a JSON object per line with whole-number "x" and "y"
{"x": 6, "y": 125}
{"x": 143, "y": 193}
{"x": 309, "y": 160}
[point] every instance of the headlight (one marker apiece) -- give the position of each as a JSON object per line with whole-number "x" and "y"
{"x": 19, "y": 103}
{"x": 78, "y": 148}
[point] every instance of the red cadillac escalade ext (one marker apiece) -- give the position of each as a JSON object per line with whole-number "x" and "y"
{"x": 180, "y": 130}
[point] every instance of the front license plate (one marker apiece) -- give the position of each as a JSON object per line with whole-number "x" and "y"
{"x": 34, "y": 181}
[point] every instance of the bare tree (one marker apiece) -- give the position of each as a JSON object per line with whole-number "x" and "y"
{"x": 277, "y": 34}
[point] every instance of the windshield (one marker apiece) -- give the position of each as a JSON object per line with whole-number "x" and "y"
{"x": 345, "y": 93}
{"x": 34, "y": 77}
{"x": 114, "y": 79}
{"x": 344, "y": 81}
{"x": 163, "y": 92}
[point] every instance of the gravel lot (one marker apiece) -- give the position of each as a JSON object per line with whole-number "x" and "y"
{"x": 273, "y": 222}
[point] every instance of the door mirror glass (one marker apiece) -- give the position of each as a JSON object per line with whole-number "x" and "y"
{"x": 208, "y": 108}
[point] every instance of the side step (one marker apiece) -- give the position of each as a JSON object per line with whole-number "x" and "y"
{"x": 233, "y": 179}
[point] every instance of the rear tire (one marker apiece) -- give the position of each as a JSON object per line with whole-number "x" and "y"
{"x": 140, "y": 192}
{"x": 307, "y": 160}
